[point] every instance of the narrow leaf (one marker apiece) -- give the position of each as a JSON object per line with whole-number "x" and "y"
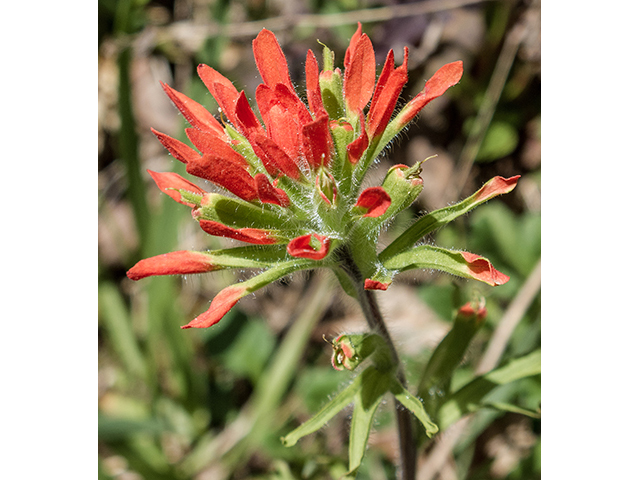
{"x": 229, "y": 296}
{"x": 415, "y": 406}
{"x": 462, "y": 264}
{"x": 434, "y": 220}
{"x": 374, "y": 385}
{"x": 330, "y": 410}
{"x": 450, "y": 351}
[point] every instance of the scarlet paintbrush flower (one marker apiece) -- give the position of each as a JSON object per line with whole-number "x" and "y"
{"x": 294, "y": 179}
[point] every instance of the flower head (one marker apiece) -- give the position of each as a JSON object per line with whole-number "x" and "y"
{"x": 293, "y": 180}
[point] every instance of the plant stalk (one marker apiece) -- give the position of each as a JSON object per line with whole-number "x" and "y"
{"x": 373, "y": 315}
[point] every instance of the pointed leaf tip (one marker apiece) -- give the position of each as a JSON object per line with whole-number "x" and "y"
{"x": 220, "y": 305}
{"x": 446, "y": 77}
{"x": 496, "y": 186}
{"x": 481, "y": 269}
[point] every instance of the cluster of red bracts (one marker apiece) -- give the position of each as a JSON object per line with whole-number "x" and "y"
{"x": 295, "y": 141}
{"x": 321, "y": 149}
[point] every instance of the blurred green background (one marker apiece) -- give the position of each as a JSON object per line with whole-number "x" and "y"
{"x": 212, "y": 404}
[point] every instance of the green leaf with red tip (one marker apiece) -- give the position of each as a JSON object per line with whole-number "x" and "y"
{"x": 186, "y": 262}
{"x": 450, "y": 352}
{"x": 183, "y": 262}
{"x": 439, "y": 218}
{"x": 447, "y": 76}
{"x": 442, "y": 80}
{"x": 462, "y": 264}
{"x": 229, "y": 296}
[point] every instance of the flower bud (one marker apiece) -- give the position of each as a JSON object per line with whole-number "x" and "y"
{"x": 326, "y": 187}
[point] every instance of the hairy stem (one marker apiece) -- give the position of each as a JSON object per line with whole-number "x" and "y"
{"x": 372, "y": 313}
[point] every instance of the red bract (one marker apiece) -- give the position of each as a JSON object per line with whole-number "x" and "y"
{"x": 171, "y": 183}
{"x": 174, "y": 263}
{"x": 444, "y": 78}
{"x": 481, "y": 269}
{"x": 250, "y": 235}
{"x": 292, "y": 175}
{"x": 374, "y": 201}
{"x": 221, "y": 304}
{"x": 311, "y": 246}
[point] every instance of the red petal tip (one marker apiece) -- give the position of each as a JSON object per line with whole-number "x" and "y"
{"x": 482, "y": 269}
{"x": 182, "y": 262}
{"x": 375, "y": 285}
{"x": 220, "y": 305}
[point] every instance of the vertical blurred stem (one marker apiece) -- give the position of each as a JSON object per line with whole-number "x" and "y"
{"x": 374, "y": 318}
{"x": 373, "y": 315}
{"x": 128, "y": 149}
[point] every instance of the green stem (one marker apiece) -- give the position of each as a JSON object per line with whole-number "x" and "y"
{"x": 376, "y": 323}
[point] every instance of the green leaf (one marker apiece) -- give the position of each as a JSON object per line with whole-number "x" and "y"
{"x": 448, "y": 355}
{"x": 252, "y": 256}
{"x": 470, "y": 396}
{"x": 374, "y": 385}
{"x": 437, "y": 258}
{"x": 238, "y": 213}
{"x": 441, "y": 217}
{"x": 330, "y": 410}
{"x": 415, "y": 406}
